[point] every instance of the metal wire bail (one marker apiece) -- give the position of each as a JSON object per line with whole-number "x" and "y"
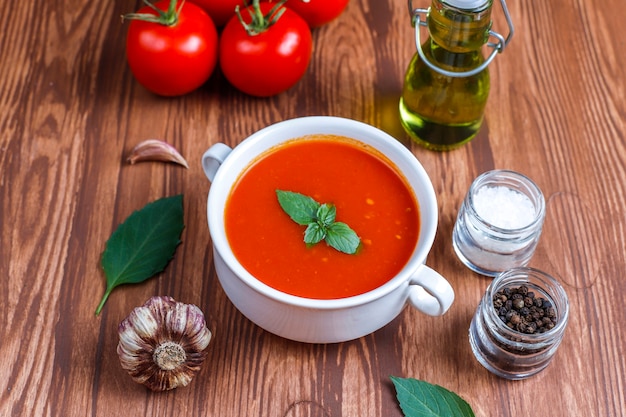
{"x": 498, "y": 46}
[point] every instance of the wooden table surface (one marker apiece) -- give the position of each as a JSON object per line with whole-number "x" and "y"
{"x": 70, "y": 111}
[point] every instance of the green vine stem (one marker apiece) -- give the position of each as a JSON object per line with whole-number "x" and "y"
{"x": 166, "y": 18}
{"x": 260, "y": 22}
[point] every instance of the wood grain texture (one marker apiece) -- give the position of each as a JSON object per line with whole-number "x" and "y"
{"x": 70, "y": 111}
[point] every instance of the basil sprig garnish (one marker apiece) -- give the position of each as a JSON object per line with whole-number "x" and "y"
{"x": 319, "y": 220}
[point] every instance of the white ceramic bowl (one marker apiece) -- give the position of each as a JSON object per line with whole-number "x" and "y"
{"x": 313, "y": 320}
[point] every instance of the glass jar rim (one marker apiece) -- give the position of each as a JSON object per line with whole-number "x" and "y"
{"x": 536, "y": 196}
{"x": 469, "y": 5}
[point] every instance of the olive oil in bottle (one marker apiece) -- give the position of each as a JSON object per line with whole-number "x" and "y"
{"x": 446, "y": 85}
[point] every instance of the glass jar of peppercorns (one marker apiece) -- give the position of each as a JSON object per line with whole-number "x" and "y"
{"x": 519, "y": 323}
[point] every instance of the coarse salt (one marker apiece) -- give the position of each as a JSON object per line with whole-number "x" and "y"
{"x": 504, "y": 207}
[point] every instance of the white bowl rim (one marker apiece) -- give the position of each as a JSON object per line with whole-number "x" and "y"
{"x": 427, "y": 231}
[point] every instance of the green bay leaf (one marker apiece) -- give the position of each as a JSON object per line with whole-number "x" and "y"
{"x": 422, "y": 399}
{"x": 143, "y": 244}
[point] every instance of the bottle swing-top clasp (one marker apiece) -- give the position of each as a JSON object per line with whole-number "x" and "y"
{"x": 497, "y": 47}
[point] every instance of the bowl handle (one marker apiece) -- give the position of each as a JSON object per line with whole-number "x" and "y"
{"x": 213, "y": 159}
{"x": 429, "y": 292}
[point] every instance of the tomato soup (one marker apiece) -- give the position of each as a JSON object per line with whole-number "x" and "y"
{"x": 369, "y": 193}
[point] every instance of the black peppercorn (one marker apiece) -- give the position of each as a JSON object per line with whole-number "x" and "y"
{"x": 523, "y": 311}
{"x": 518, "y": 303}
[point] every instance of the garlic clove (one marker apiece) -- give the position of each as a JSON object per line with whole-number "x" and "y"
{"x": 162, "y": 343}
{"x": 156, "y": 150}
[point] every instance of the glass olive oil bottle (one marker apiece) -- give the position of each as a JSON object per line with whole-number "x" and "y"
{"x": 447, "y": 83}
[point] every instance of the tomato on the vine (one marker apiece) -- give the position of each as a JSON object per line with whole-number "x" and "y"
{"x": 270, "y": 53}
{"x": 220, "y": 10}
{"x": 317, "y": 12}
{"x": 171, "y": 47}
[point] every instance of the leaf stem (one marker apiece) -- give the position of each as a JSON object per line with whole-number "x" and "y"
{"x": 104, "y": 300}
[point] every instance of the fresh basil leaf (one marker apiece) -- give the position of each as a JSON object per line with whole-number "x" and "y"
{"x": 326, "y": 214}
{"x": 143, "y": 244}
{"x": 302, "y": 209}
{"x": 320, "y": 222}
{"x": 341, "y": 237}
{"x": 422, "y": 399}
{"x": 314, "y": 233}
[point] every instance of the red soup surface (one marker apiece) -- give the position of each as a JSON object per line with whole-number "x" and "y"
{"x": 369, "y": 194}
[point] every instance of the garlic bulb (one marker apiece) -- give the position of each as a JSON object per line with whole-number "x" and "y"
{"x": 162, "y": 343}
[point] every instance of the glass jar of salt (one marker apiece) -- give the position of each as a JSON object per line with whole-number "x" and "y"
{"x": 499, "y": 222}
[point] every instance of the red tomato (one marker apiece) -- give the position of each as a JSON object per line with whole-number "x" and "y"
{"x": 317, "y": 12}
{"x": 220, "y": 10}
{"x": 267, "y": 63}
{"x": 172, "y": 60}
